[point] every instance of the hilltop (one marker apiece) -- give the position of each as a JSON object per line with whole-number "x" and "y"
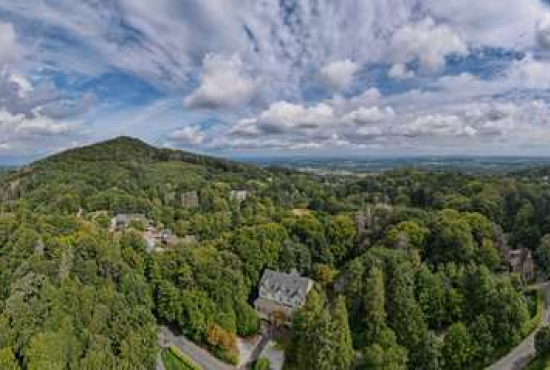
{"x": 125, "y": 166}
{"x": 126, "y": 149}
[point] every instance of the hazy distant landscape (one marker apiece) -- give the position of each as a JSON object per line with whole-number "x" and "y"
{"x": 375, "y": 165}
{"x": 358, "y": 165}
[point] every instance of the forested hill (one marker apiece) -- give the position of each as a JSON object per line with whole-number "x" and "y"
{"x": 124, "y": 165}
{"x": 125, "y": 150}
{"x": 411, "y": 267}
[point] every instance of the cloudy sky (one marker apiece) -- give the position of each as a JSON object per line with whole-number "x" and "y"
{"x": 277, "y": 77}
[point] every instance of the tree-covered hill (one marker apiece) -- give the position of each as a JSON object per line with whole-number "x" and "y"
{"x": 130, "y": 150}
{"x": 411, "y": 267}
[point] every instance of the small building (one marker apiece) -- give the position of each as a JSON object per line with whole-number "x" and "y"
{"x": 520, "y": 261}
{"x": 39, "y": 247}
{"x": 190, "y": 199}
{"x": 156, "y": 239}
{"x": 123, "y": 221}
{"x": 166, "y": 237}
{"x": 189, "y": 239}
{"x": 238, "y": 195}
{"x": 281, "y": 294}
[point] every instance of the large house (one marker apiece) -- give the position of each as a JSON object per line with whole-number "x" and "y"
{"x": 520, "y": 261}
{"x": 281, "y": 294}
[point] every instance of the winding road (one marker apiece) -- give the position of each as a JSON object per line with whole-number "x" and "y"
{"x": 197, "y": 354}
{"x": 520, "y": 356}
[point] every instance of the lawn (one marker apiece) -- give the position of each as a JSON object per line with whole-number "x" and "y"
{"x": 175, "y": 360}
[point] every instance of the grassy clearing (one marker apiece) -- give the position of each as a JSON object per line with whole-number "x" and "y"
{"x": 535, "y": 321}
{"x": 173, "y": 359}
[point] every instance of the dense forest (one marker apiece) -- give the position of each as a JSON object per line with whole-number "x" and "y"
{"x": 410, "y": 266}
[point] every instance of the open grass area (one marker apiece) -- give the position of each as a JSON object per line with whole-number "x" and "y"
{"x": 173, "y": 359}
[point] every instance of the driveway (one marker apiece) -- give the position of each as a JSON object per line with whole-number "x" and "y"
{"x": 197, "y": 354}
{"x": 520, "y": 356}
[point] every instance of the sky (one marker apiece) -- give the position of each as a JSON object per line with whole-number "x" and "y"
{"x": 277, "y": 77}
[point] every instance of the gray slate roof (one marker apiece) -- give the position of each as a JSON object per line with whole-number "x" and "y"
{"x": 275, "y": 283}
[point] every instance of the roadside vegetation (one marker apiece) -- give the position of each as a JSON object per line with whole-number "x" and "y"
{"x": 173, "y": 359}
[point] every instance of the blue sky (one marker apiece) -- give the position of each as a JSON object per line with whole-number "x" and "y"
{"x": 277, "y": 77}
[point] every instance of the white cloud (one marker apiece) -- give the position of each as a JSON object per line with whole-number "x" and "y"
{"x": 9, "y": 49}
{"x": 508, "y": 24}
{"x": 224, "y": 84}
{"x": 34, "y": 117}
{"x": 189, "y": 135}
{"x": 529, "y": 73}
{"x": 400, "y": 71}
{"x": 288, "y": 117}
{"x": 246, "y": 127}
{"x": 24, "y": 86}
{"x": 543, "y": 32}
{"x": 437, "y": 125}
{"x": 426, "y": 42}
{"x": 365, "y": 116}
{"x": 458, "y": 112}
{"x": 339, "y": 75}
{"x": 20, "y": 134}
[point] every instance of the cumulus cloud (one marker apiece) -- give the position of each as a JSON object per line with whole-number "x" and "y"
{"x": 543, "y": 32}
{"x": 435, "y": 125}
{"x": 339, "y": 75}
{"x": 415, "y": 121}
{"x": 400, "y": 71}
{"x": 530, "y": 73}
{"x": 33, "y": 117}
{"x": 365, "y": 116}
{"x": 38, "y": 125}
{"x": 189, "y": 135}
{"x": 224, "y": 84}
{"x": 20, "y": 133}
{"x": 283, "y": 117}
{"x": 426, "y": 42}
{"x": 24, "y": 86}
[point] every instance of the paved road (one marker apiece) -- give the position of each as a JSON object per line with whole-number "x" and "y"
{"x": 160, "y": 364}
{"x": 520, "y": 356}
{"x": 200, "y": 356}
{"x": 262, "y": 343}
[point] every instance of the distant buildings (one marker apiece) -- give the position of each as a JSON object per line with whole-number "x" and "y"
{"x": 155, "y": 239}
{"x": 281, "y": 294}
{"x": 190, "y": 199}
{"x": 123, "y": 221}
{"x": 238, "y": 195}
{"x": 520, "y": 261}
